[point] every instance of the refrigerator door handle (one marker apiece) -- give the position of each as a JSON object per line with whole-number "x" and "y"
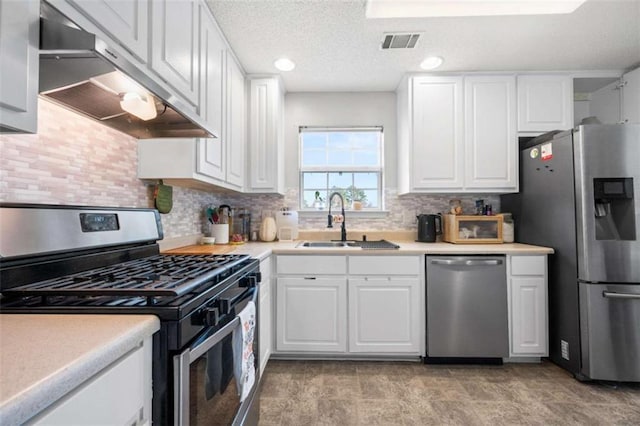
{"x": 615, "y": 295}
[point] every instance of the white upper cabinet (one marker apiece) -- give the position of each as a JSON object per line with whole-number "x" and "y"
{"x": 210, "y": 160}
{"x": 433, "y": 151}
{"x": 545, "y": 103}
{"x": 127, "y": 22}
{"x": 491, "y": 141}
{"x": 235, "y": 123}
{"x": 266, "y": 136}
{"x": 631, "y": 97}
{"x": 457, "y": 134}
{"x": 19, "y": 48}
{"x": 175, "y": 45}
{"x": 212, "y": 56}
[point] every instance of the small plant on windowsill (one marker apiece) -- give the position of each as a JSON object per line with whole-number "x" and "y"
{"x": 318, "y": 203}
{"x": 354, "y": 198}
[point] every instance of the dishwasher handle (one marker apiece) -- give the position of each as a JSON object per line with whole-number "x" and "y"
{"x": 466, "y": 262}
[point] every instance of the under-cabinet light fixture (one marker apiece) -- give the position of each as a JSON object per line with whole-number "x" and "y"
{"x": 144, "y": 109}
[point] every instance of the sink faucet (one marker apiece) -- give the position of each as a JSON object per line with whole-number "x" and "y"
{"x": 343, "y": 230}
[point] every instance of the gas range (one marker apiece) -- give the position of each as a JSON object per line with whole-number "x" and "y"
{"x": 94, "y": 260}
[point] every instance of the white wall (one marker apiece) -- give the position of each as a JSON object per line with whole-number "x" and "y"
{"x": 335, "y": 110}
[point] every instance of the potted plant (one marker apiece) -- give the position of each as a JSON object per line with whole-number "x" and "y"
{"x": 318, "y": 203}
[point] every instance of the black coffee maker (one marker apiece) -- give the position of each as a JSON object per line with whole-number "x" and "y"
{"x": 429, "y": 225}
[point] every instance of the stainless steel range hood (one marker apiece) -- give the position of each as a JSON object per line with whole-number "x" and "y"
{"x": 81, "y": 72}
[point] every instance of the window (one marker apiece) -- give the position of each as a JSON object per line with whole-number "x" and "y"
{"x": 344, "y": 160}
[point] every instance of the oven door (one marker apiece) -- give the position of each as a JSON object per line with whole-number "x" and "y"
{"x": 205, "y": 390}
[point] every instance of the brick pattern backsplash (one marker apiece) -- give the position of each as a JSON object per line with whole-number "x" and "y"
{"x": 74, "y": 160}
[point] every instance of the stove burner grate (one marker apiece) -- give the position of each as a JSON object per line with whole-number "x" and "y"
{"x": 150, "y": 277}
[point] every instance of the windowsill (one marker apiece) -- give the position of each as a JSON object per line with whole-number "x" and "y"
{"x": 348, "y": 213}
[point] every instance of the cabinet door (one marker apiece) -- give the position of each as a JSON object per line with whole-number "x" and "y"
{"x": 384, "y": 315}
{"x": 529, "y": 316}
{"x": 437, "y": 133}
{"x": 311, "y": 314}
{"x": 545, "y": 102}
{"x": 265, "y": 313}
{"x": 211, "y": 158}
{"x": 127, "y": 21}
{"x": 236, "y": 123}
{"x": 126, "y": 385}
{"x": 491, "y": 143}
{"x": 212, "y": 57}
{"x": 175, "y": 45}
{"x": 631, "y": 97}
{"x": 19, "y": 44}
{"x": 265, "y": 170}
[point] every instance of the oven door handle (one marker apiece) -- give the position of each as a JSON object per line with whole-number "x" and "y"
{"x": 182, "y": 362}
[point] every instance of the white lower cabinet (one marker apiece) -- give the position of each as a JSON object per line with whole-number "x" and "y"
{"x": 265, "y": 314}
{"x": 118, "y": 395}
{"x": 370, "y": 304}
{"x": 384, "y": 314}
{"x": 528, "y": 313}
{"x": 312, "y": 314}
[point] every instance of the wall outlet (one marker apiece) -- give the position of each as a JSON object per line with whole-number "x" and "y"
{"x": 564, "y": 348}
{"x": 409, "y": 217}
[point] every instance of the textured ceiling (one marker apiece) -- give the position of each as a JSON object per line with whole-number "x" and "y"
{"x": 337, "y": 49}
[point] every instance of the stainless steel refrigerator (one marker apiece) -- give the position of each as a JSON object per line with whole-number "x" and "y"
{"x": 580, "y": 194}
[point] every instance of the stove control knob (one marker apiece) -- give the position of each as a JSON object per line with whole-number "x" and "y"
{"x": 208, "y": 317}
{"x": 223, "y": 306}
{"x": 251, "y": 280}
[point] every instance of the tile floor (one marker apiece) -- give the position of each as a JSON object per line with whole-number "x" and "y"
{"x": 400, "y": 393}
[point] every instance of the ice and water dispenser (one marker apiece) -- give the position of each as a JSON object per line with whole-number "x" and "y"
{"x": 614, "y": 208}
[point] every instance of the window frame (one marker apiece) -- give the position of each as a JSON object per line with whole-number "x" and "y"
{"x": 380, "y": 170}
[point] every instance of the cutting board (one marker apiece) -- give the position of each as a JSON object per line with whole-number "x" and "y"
{"x": 202, "y": 249}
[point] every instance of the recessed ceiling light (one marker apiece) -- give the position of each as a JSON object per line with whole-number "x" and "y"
{"x": 284, "y": 64}
{"x": 438, "y": 8}
{"x": 431, "y": 62}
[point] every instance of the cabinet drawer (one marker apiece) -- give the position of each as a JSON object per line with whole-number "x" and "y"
{"x": 311, "y": 265}
{"x": 527, "y": 265}
{"x": 384, "y": 265}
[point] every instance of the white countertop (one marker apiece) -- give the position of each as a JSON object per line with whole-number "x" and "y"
{"x": 262, "y": 250}
{"x": 43, "y": 357}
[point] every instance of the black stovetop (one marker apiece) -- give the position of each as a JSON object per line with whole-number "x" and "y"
{"x": 170, "y": 286}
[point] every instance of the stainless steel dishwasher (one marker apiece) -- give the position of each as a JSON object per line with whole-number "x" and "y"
{"x": 467, "y": 307}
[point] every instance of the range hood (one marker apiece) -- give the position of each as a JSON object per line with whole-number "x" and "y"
{"x": 80, "y": 72}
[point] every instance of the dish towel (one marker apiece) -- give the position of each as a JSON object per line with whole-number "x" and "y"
{"x": 244, "y": 365}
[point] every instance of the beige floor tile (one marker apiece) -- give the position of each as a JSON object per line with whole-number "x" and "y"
{"x": 337, "y": 412}
{"x": 376, "y": 412}
{"x": 361, "y": 392}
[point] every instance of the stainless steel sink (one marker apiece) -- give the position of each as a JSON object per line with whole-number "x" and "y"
{"x": 333, "y": 244}
{"x": 367, "y": 245}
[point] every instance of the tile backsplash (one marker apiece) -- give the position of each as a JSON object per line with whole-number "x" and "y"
{"x": 74, "y": 160}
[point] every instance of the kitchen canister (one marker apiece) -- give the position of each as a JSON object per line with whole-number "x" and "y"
{"x": 220, "y": 231}
{"x": 507, "y": 228}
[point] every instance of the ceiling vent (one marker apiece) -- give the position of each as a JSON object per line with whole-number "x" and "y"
{"x": 399, "y": 41}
